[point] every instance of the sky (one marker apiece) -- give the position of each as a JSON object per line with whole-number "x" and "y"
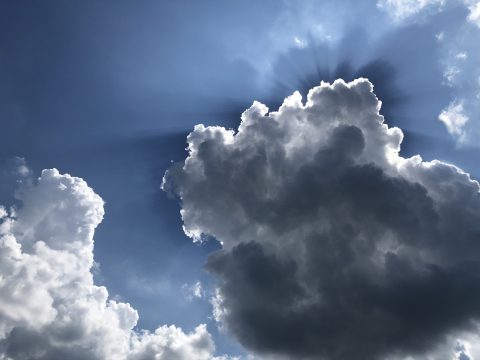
{"x": 248, "y": 180}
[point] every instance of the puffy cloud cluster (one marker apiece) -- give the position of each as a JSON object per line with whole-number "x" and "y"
{"x": 50, "y": 307}
{"x": 402, "y": 9}
{"x": 334, "y": 245}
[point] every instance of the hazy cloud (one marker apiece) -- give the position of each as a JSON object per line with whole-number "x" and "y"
{"x": 334, "y": 246}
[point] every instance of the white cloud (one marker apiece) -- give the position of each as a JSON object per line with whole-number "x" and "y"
{"x": 21, "y": 168}
{"x": 459, "y": 57}
{"x": 403, "y": 9}
{"x": 171, "y": 343}
{"x": 455, "y": 120}
{"x": 197, "y": 290}
{"x": 474, "y": 15}
{"x": 50, "y": 307}
{"x": 299, "y": 42}
{"x": 194, "y": 291}
{"x": 219, "y": 310}
{"x": 3, "y": 212}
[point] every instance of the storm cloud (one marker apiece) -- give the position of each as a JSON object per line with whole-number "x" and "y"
{"x": 334, "y": 245}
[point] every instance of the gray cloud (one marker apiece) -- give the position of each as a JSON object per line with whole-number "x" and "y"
{"x": 458, "y": 39}
{"x": 334, "y": 246}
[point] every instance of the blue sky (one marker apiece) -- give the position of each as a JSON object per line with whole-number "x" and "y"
{"x": 109, "y": 90}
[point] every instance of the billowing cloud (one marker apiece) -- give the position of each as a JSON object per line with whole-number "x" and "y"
{"x": 50, "y": 307}
{"x": 334, "y": 245}
{"x": 459, "y": 58}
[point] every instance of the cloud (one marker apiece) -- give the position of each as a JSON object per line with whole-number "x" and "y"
{"x": 454, "y": 119}
{"x": 403, "y": 9}
{"x": 50, "y": 307}
{"x": 20, "y": 167}
{"x": 474, "y": 15}
{"x": 460, "y": 60}
{"x": 334, "y": 245}
{"x": 194, "y": 291}
{"x": 459, "y": 25}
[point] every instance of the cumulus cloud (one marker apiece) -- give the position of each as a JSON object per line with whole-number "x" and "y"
{"x": 334, "y": 245}
{"x": 50, "y": 307}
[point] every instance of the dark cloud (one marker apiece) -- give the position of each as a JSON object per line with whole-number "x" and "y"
{"x": 334, "y": 245}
